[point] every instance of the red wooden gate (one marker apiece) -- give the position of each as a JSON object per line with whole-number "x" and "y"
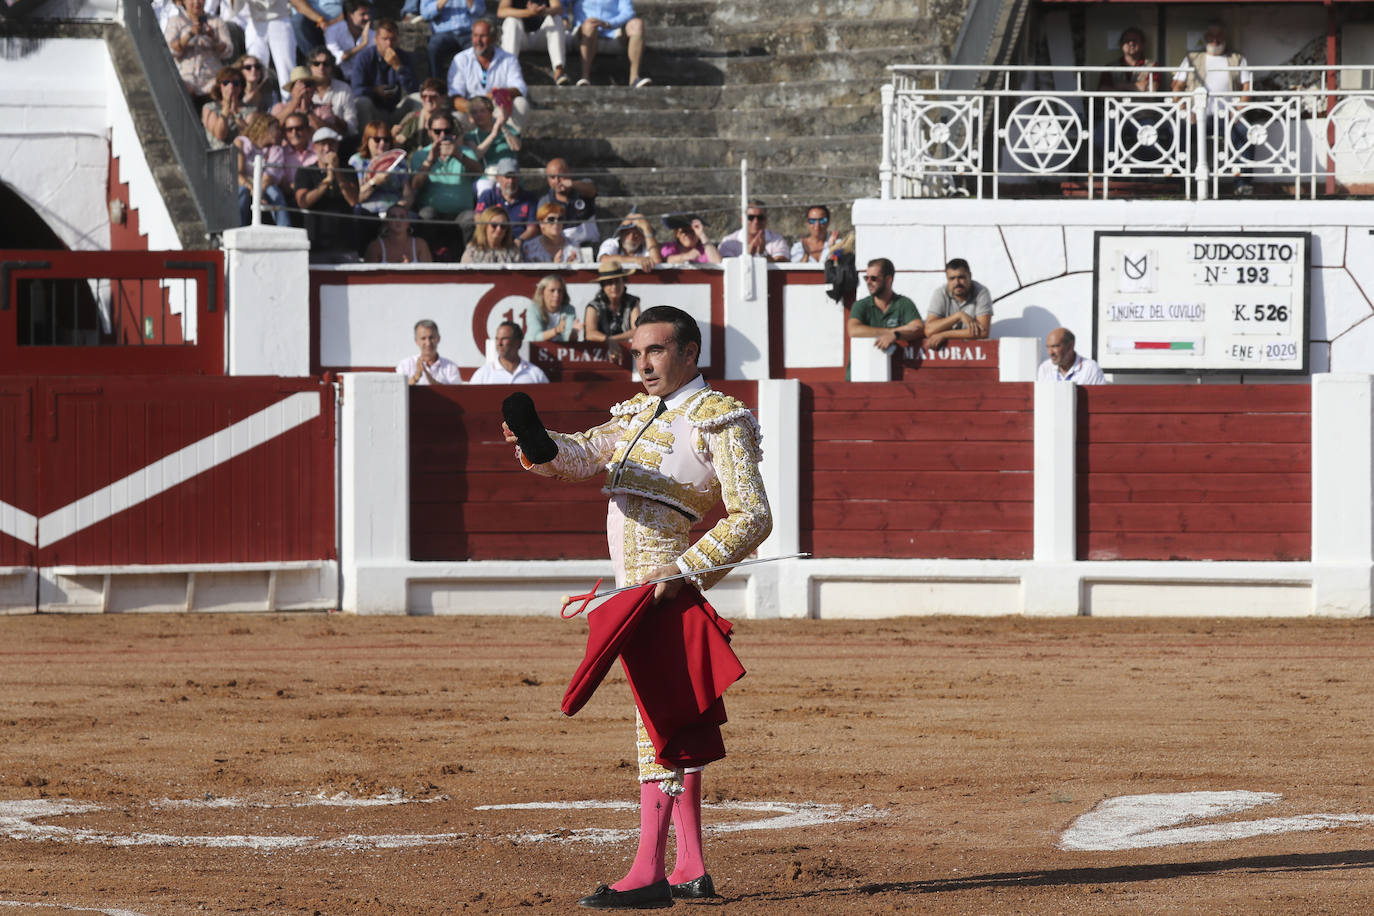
{"x": 137, "y": 471}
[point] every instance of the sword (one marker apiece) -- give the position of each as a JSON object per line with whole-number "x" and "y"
{"x": 594, "y": 594}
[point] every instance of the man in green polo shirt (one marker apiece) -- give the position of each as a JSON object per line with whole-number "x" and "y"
{"x": 443, "y": 172}
{"x": 883, "y": 314}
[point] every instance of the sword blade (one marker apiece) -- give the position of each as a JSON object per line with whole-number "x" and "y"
{"x": 695, "y": 572}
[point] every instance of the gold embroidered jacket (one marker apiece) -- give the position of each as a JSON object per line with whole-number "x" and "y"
{"x": 689, "y": 458}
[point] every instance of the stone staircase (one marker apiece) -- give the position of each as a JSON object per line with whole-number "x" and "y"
{"x": 792, "y": 86}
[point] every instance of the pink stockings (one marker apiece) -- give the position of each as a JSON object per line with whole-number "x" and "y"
{"x": 690, "y": 863}
{"x": 656, "y": 812}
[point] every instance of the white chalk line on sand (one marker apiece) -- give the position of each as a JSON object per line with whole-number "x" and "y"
{"x": 787, "y": 816}
{"x": 19, "y": 820}
{"x": 105, "y": 911}
{"x": 1145, "y": 821}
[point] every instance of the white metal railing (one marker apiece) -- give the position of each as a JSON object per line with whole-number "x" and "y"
{"x": 1036, "y": 124}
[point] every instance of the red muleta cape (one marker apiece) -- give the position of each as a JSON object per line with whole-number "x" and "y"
{"x": 678, "y": 661}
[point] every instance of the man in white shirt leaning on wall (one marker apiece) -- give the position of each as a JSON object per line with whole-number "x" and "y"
{"x": 509, "y": 368}
{"x": 1064, "y": 365}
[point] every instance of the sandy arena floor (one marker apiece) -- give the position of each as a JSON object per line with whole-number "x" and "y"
{"x": 337, "y": 765}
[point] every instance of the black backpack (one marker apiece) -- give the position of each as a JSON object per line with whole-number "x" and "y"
{"x": 841, "y": 275}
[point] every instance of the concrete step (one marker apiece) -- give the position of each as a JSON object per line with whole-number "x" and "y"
{"x": 808, "y": 182}
{"x": 783, "y": 37}
{"x": 618, "y": 152}
{"x": 725, "y": 123}
{"x": 593, "y": 101}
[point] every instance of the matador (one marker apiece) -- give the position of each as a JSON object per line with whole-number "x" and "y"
{"x": 669, "y": 456}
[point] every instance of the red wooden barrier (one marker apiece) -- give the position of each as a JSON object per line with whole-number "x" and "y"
{"x": 471, "y": 500}
{"x": 50, "y": 320}
{"x": 16, "y": 471}
{"x": 134, "y": 471}
{"x": 1196, "y": 472}
{"x": 907, "y": 469}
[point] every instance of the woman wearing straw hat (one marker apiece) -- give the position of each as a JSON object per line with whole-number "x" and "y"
{"x": 613, "y": 312}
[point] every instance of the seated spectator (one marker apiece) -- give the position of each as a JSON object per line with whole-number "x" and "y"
{"x": 961, "y": 309}
{"x": 382, "y": 76}
{"x": 550, "y": 316}
{"x": 311, "y": 18}
{"x": 427, "y": 367}
{"x": 491, "y": 240}
{"x": 1132, "y": 43}
{"x": 297, "y": 151}
{"x": 819, "y": 239}
{"x": 441, "y": 186}
{"x": 1064, "y": 365}
{"x": 412, "y": 130}
{"x": 884, "y": 314}
{"x": 523, "y": 21}
{"x": 225, "y": 115}
{"x": 333, "y": 98}
{"x": 328, "y": 192}
{"x": 267, "y": 33}
{"x": 578, "y": 198}
{"x": 633, "y": 244}
{"x": 595, "y": 21}
{"x": 259, "y": 92}
{"x": 200, "y": 45}
{"x": 1132, "y": 55}
{"x": 397, "y": 242}
{"x": 763, "y": 242}
{"x": 492, "y": 137}
{"x": 451, "y": 24}
{"x": 613, "y": 312}
{"x": 262, "y": 139}
{"x": 521, "y": 205}
{"x": 549, "y": 246}
{"x": 346, "y": 37}
{"x": 509, "y": 368}
{"x": 485, "y": 69}
{"x": 689, "y": 244}
{"x": 383, "y": 179}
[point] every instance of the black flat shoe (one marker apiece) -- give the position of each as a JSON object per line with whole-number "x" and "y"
{"x": 650, "y": 897}
{"x": 695, "y": 889}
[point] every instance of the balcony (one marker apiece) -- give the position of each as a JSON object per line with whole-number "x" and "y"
{"x": 1014, "y": 137}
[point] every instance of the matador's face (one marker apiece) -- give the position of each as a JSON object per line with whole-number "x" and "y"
{"x": 662, "y": 363}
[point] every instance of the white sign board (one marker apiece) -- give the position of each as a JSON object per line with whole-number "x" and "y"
{"x": 1201, "y": 302}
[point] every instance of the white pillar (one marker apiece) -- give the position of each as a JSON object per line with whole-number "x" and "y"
{"x": 746, "y": 318}
{"x": 779, "y": 413}
{"x": 267, "y": 279}
{"x": 1018, "y": 359}
{"x": 374, "y": 489}
{"x": 867, "y": 363}
{"x": 1342, "y": 489}
{"x": 1051, "y": 584}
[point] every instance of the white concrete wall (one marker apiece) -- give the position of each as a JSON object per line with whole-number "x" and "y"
{"x": 1338, "y": 582}
{"x": 1036, "y": 258}
{"x": 267, "y": 276}
{"x": 54, "y": 134}
{"x": 62, "y": 113}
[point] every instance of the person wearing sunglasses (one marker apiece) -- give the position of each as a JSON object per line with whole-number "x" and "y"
{"x": 441, "y": 186}
{"x": 259, "y": 92}
{"x": 412, "y": 131}
{"x": 884, "y": 315}
{"x": 225, "y": 116}
{"x": 333, "y": 101}
{"x": 819, "y": 239}
{"x": 549, "y": 246}
{"x": 762, "y": 241}
{"x": 297, "y": 151}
